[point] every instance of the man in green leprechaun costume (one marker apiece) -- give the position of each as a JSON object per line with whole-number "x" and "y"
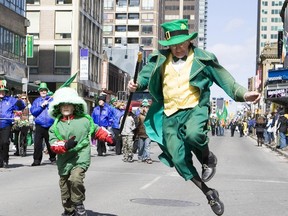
{"x": 179, "y": 80}
{"x": 70, "y": 137}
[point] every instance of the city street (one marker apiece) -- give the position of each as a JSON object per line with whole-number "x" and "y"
{"x": 251, "y": 181}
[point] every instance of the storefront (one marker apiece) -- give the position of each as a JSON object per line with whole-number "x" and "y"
{"x": 276, "y": 89}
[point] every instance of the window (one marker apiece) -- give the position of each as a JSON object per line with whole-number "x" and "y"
{"x": 147, "y": 17}
{"x": 134, "y": 3}
{"x": 117, "y": 40}
{"x": 121, "y": 3}
{"x": 34, "y": 62}
{"x": 147, "y": 41}
{"x": 107, "y": 29}
{"x": 63, "y": 1}
{"x": 62, "y": 59}
{"x": 33, "y": 29}
{"x": 133, "y": 16}
{"x": 133, "y": 40}
{"x": 121, "y": 16}
{"x": 36, "y": 2}
{"x": 63, "y": 24}
{"x": 147, "y": 29}
{"x": 120, "y": 28}
{"x": 107, "y": 41}
{"x": 263, "y": 36}
{"x": 274, "y": 36}
{"x": 133, "y": 28}
{"x": 147, "y": 4}
{"x": 108, "y": 17}
{"x": 263, "y": 28}
{"x": 108, "y": 4}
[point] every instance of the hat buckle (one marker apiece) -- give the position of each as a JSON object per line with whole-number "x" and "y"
{"x": 167, "y": 35}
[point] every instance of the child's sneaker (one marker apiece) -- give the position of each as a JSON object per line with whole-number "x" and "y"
{"x": 66, "y": 213}
{"x": 80, "y": 210}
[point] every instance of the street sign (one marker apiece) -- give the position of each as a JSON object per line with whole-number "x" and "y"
{"x": 29, "y": 46}
{"x": 84, "y": 63}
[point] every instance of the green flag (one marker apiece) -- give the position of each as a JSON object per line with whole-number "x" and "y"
{"x": 69, "y": 81}
{"x": 224, "y": 113}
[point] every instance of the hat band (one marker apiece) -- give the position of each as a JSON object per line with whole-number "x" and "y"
{"x": 169, "y": 34}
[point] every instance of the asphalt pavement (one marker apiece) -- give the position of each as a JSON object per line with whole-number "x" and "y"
{"x": 251, "y": 181}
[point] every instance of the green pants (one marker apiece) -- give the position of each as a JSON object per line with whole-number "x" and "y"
{"x": 72, "y": 188}
{"x": 183, "y": 133}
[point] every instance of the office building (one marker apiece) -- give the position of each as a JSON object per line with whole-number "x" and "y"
{"x": 194, "y": 11}
{"x": 269, "y": 23}
{"x": 62, "y": 29}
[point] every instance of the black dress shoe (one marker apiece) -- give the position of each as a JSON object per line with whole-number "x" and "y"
{"x": 209, "y": 170}
{"x": 35, "y": 164}
{"x": 213, "y": 200}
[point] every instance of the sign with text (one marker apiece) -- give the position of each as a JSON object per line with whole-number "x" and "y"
{"x": 276, "y": 93}
{"x": 84, "y": 64}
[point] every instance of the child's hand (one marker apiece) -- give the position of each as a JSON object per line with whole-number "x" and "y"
{"x": 71, "y": 143}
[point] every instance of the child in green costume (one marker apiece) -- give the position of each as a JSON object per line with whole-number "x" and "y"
{"x": 70, "y": 137}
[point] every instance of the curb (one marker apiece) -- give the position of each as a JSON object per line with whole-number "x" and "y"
{"x": 273, "y": 148}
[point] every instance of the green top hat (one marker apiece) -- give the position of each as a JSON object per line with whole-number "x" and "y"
{"x": 43, "y": 86}
{"x": 176, "y": 32}
{"x": 3, "y": 84}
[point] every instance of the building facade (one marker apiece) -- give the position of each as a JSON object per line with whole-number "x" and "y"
{"x": 61, "y": 29}
{"x": 194, "y": 11}
{"x": 12, "y": 44}
{"x": 268, "y": 24}
{"x": 130, "y": 27}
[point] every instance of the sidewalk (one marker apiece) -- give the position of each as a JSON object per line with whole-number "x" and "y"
{"x": 273, "y": 148}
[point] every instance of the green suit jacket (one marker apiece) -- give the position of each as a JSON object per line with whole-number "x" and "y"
{"x": 204, "y": 72}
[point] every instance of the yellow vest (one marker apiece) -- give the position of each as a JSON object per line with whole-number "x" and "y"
{"x": 178, "y": 93}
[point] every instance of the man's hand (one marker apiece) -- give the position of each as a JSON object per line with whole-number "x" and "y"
{"x": 132, "y": 86}
{"x": 45, "y": 103}
{"x": 252, "y": 96}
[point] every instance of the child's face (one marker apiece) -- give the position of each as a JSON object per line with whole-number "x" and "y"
{"x": 66, "y": 109}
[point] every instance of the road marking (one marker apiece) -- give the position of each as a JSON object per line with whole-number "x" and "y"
{"x": 150, "y": 183}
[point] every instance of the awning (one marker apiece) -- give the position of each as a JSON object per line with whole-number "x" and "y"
{"x": 16, "y": 83}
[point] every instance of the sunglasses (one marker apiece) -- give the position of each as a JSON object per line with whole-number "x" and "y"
{"x": 23, "y": 98}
